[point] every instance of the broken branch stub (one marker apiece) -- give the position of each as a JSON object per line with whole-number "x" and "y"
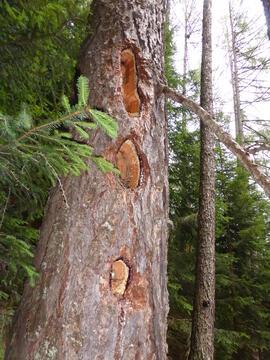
{"x": 129, "y": 83}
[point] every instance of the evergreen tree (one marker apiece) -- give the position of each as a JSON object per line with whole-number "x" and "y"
{"x": 184, "y": 188}
{"x": 39, "y": 45}
{"x": 243, "y": 271}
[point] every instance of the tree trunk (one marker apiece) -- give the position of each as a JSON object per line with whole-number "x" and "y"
{"x": 235, "y": 80}
{"x": 191, "y": 19}
{"x": 102, "y": 292}
{"x": 185, "y": 60}
{"x": 202, "y": 336}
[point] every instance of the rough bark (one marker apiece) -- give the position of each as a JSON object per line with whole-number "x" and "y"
{"x": 202, "y": 335}
{"x": 102, "y": 292}
{"x": 242, "y": 154}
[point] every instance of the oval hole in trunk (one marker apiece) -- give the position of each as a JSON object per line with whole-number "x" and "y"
{"x": 129, "y": 83}
{"x": 128, "y": 163}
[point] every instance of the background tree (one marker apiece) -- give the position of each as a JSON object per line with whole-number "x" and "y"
{"x": 39, "y": 48}
{"x": 249, "y": 64}
{"x": 202, "y": 335}
{"x": 191, "y": 27}
{"x": 242, "y": 304}
{"x": 182, "y": 254}
{"x": 184, "y": 190}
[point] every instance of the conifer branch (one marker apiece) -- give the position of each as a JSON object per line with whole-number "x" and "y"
{"x": 55, "y": 122}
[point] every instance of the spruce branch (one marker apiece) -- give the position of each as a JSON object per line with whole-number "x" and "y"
{"x": 47, "y": 125}
{"x": 83, "y": 90}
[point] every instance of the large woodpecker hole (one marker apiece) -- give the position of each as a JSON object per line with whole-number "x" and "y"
{"x": 128, "y": 163}
{"x": 119, "y": 277}
{"x": 129, "y": 83}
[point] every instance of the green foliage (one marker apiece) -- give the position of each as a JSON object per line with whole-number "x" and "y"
{"x": 105, "y": 122}
{"x": 170, "y": 73}
{"x": 242, "y": 298}
{"x": 104, "y": 165}
{"x": 242, "y": 246}
{"x": 39, "y": 46}
{"x": 184, "y": 187}
{"x": 242, "y": 322}
{"x": 83, "y": 91}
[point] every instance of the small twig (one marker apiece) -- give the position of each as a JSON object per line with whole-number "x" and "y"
{"x": 57, "y": 177}
{"x": 5, "y": 208}
{"x": 255, "y": 148}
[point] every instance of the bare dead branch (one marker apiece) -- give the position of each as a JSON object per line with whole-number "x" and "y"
{"x": 252, "y": 168}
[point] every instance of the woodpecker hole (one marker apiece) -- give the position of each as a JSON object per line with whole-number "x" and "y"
{"x": 120, "y": 274}
{"x": 129, "y": 83}
{"x": 205, "y": 303}
{"x": 129, "y": 165}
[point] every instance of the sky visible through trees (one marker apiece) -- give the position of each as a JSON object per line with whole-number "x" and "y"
{"x": 221, "y": 71}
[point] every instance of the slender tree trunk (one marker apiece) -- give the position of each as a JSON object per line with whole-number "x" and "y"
{"x": 235, "y": 80}
{"x": 190, "y": 22}
{"x": 202, "y": 337}
{"x": 102, "y": 292}
{"x": 185, "y": 60}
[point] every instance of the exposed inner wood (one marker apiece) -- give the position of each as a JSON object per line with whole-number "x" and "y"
{"x": 129, "y": 83}
{"x": 128, "y": 163}
{"x": 119, "y": 277}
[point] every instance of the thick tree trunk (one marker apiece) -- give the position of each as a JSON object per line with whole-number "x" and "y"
{"x": 102, "y": 292}
{"x": 202, "y": 336}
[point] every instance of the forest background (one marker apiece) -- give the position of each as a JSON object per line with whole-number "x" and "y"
{"x": 39, "y": 47}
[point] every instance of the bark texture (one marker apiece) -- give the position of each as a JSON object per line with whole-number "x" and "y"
{"x": 202, "y": 335}
{"x": 102, "y": 292}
